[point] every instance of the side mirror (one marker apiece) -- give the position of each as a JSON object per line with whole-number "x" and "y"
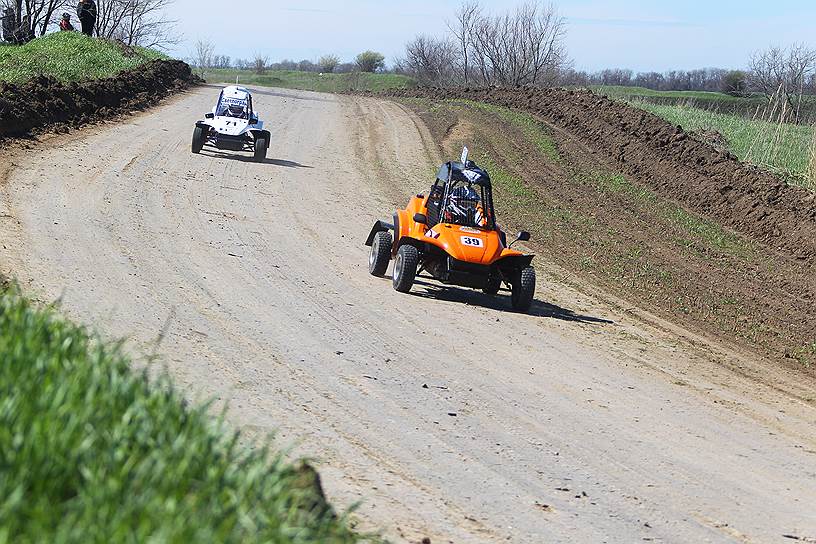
{"x": 209, "y": 116}
{"x": 522, "y": 236}
{"x": 420, "y": 218}
{"x": 253, "y": 121}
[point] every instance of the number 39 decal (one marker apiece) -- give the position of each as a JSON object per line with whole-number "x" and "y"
{"x": 472, "y": 242}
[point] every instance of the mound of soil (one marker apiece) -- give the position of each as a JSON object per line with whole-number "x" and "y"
{"x": 673, "y": 163}
{"x": 45, "y": 103}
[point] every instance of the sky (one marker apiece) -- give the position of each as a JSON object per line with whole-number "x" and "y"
{"x": 636, "y": 34}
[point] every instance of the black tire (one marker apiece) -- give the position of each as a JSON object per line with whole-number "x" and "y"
{"x": 260, "y": 148}
{"x": 405, "y": 267}
{"x": 523, "y": 290}
{"x": 198, "y": 139}
{"x": 380, "y": 254}
{"x": 493, "y": 286}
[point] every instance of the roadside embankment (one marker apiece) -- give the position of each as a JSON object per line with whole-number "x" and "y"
{"x": 45, "y": 103}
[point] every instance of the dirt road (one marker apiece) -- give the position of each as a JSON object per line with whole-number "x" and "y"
{"x": 448, "y": 416}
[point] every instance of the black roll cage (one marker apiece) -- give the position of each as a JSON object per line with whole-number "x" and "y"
{"x": 452, "y": 172}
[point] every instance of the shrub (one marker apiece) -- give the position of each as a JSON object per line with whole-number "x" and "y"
{"x": 735, "y": 83}
{"x": 370, "y": 61}
{"x": 328, "y": 63}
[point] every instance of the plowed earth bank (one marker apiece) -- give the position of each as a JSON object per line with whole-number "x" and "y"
{"x": 448, "y": 416}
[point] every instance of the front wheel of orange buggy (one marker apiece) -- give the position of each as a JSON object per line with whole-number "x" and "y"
{"x": 380, "y": 254}
{"x": 405, "y": 268}
{"x": 523, "y": 289}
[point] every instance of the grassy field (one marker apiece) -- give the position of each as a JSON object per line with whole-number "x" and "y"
{"x": 310, "y": 81}
{"x": 753, "y": 106}
{"x": 92, "y": 452}
{"x": 621, "y": 92}
{"x": 68, "y": 56}
{"x": 786, "y": 149}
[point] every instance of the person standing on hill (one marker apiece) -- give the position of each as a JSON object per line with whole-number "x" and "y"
{"x": 9, "y": 25}
{"x": 65, "y": 23}
{"x": 86, "y": 11}
{"x": 26, "y": 31}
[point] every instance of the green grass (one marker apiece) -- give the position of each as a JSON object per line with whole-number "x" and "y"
{"x": 610, "y": 182}
{"x": 534, "y": 130}
{"x": 781, "y": 147}
{"x": 310, "y": 81}
{"x": 692, "y": 227}
{"x": 91, "y": 451}
{"x": 68, "y": 56}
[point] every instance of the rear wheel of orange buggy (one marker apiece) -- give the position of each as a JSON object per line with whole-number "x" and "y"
{"x": 380, "y": 254}
{"x": 405, "y": 268}
{"x": 524, "y": 282}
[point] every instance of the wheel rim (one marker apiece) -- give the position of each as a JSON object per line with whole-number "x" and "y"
{"x": 398, "y": 267}
{"x": 375, "y": 250}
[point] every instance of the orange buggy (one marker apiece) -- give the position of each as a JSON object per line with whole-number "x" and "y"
{"x": 451, "y": 234}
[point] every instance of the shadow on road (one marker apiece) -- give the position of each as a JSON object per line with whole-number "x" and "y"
{"x": 501, "y": 303}
{"x": 245, "y": 158}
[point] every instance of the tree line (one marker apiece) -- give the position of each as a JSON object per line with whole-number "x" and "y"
{"x": 204, "y": 57}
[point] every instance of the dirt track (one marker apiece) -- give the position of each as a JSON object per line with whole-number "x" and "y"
{"x": 559, "y": 426}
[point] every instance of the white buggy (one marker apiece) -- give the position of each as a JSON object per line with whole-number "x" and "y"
{"x": 232, "y": 125}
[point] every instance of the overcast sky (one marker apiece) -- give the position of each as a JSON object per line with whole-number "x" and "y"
{"x": 638, "y": 34}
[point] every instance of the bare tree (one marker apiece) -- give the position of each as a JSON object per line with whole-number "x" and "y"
{"x": 259, "y": 63}
{"x": 431, "y": 61}
{"x": 36, "y": 14}
{"x": 203, "y": 55}
{"x": 784, "y": 72}
{"x": 136, "y": 22}
{"x": 525, "y": 47}
{"x": 470, "y": 12}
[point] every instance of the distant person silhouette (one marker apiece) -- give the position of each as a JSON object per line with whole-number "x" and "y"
{"x": 86, "y": 11}
{"x": 9, "y": 25}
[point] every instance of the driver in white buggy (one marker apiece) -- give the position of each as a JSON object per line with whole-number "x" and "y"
{"x": 233, "y": 109}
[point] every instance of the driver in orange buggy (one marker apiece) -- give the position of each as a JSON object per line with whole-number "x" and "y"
{"x": 465, "y": 208}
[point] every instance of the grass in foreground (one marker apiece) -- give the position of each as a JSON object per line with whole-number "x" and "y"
{"x": 68, "y": 56}
{"x": 310, "y": 81}
{"x": 92, "y": 452}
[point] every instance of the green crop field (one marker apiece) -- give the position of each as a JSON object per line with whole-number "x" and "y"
{"x": 311, "y": 81}
{"x": 91, "y": 451}
{"x": 69, "y": 56}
